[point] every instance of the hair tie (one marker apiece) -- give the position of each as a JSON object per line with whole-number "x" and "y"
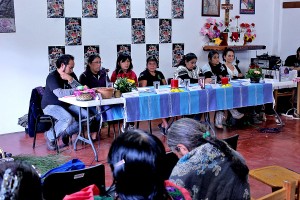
{"x": 121, "y": 162}
{"x": 205, "y": 135}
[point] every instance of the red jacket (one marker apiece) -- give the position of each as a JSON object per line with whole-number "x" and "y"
{"x": 130, "y": 74}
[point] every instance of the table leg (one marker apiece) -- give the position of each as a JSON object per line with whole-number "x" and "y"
{"x": 207, "y": 120}
{"x": 80, "y": 130}
{"x": 89, "y": 134}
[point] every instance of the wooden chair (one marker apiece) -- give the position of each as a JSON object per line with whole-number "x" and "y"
{"x": 286, "y": 193}
{"x": 284, "y": 93}
{"x": 274, "y": 176}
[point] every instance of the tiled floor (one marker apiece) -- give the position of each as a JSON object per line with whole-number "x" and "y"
{"x": 259, "y": 149}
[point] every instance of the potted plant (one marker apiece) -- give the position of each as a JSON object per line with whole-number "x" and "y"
{"x": 254, "y": 73}
{"x": 124, "y": 85}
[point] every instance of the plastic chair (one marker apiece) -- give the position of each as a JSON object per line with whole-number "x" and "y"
{"x": 57, "y": 185}
{"x": 232, "y": 141}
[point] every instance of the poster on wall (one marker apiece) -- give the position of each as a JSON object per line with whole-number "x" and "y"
{"x": 165, "y": 30}
{"x": 124, "y": 49}
{"x": 90, "y": 8}
{"x": 7, "y": 16}
{"x": 54, "y": 52}
{"x": 55, "y": 9}
{"x": 73, "y": 31}
{"x": 138, "y": 30}
{"x": 88, "y": 51}
{"x": 177, "y": 9}
{"x": 247, "y": 6}
{"x": 151, "y": 8}
{"x": 153, "y": 50}
{"x": 123, "y": 9}
{"x": 177, "y": 53}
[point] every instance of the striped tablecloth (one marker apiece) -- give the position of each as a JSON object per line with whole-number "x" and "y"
{"x": 149, "y": 106}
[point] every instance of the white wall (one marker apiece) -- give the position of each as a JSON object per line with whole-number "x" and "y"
{"x": 23, "y": 55}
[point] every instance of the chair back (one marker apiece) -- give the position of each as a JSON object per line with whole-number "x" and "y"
{"x": 57, "y": 185}
{"x": 286, "y": 193}
{"x": 232, "y": 141}
{"x": 171, "y": 160}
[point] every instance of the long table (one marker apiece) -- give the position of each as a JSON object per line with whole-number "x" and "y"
{"x": 149, "y": 106}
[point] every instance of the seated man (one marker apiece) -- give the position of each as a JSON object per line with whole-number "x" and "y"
{"x": 61, "y": 82}
{"x": 293, "y": 61}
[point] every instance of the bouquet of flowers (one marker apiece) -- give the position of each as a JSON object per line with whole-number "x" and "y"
{"x": 211, "y": 30}
{"x": 254, "y": 72}
{"x": 249, "y": 32}
{"x": 124, "y": 85}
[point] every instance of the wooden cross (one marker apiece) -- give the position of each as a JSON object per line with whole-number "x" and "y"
{"x": 227, "y": 6}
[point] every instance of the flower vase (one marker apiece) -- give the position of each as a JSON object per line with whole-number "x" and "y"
{"x": 118, "y": 94}
{"x": 224, "y": 38}
{"x": 254, "y": 80}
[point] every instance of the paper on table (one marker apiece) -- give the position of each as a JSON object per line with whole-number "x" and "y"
{"x": 193, "y": 88}
{"x": 131, "y": 94}
{"x": 163, "y": 91}
{"x": 143, "y": 89}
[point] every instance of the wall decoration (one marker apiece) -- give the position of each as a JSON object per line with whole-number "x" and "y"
{"x": 90, "y": 8}
{"x": 151, "y": 8}
{"x": 73, "y": 31}
{"x": 165, "y": 30}
{"x": 55, "y": 9}
{"x": 124, "y": 49}
{"x": 88, "y": 51}
{"x": 153, "y": 50}
{"x": 211, "y": 8}
{"x": 7, "y": 16}
{"x": 138, "y": 30}
{"x": 177, "y": 53}
{"x": 177, "y": 9}
{"x": 247, "y": 7}
{"x": 123, "y": 9}
{"x": 54, "y": 52}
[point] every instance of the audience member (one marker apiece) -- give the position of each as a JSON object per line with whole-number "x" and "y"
{"x": 124, "y": 68}
{"x": 59, "y": 83}
{"x": 147, "y": 77}
{"x": 19, "y": 180}
{"x": 211, "y": 68}
{"x": 208, "y": 168}
{"x": 136, "y": 160}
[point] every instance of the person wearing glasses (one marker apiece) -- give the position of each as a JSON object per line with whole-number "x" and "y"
{"x": 59, "y": 83}
{"x": 94, "y": 76}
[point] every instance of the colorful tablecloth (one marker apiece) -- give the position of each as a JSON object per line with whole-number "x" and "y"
{"x": 149, "y": 106}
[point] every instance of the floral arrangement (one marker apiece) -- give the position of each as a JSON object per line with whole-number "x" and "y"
{"x": 249, "y": 32}
{"x": 254, "y": 72}
{"x": 124, "y": 85}
{"x": 211, "y": 29}
{"x": 235, "y": 36}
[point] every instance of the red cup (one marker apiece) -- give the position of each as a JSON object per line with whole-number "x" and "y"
{"x": 224, "y": 80}
{"x": 174, "y": 83}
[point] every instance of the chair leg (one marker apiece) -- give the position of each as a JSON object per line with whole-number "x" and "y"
{"x": 114, "y": 129}
{"x": 34, "y": 133}
{"x": 54, "y": 134}
{"x": 137, "y": 125}
{"x": 150, "y": 128}
{"x": 108, "y": 129}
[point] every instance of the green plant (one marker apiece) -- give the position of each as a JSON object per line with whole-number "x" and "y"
{"x": 124, "y": 84}
{"x": 254, "y": 72}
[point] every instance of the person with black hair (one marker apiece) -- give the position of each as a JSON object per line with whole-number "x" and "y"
{"x": 137, "y": 161}
{"x": 147, "y": 77}
{"x": 208, "y": 168}
{"x": 59, "y": 83}
{"x": 211, "y": 68}
{"x": 293, "y": 61}
{"x": 19, "y": 180}
{"x": 186, "y": 69}
{"x": 124, "y": 68}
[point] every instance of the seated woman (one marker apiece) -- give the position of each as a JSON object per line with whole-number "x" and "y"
{"x": 211, "y": 68}
{"x": 227, "y": 69}
{"x": 147, "y": 77}
{"x": 136, "y": 159}
{"x": 124, "y": 68}
{"x": 293, "y": 61}
{"x": 186, "y": 69}
{"x": 94, "y": 76}
{"x": 208, "y": 168}
{"x": 19, "y": 180}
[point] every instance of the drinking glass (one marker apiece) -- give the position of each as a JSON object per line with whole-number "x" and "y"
{"x": 186, "y": 83}
{"x": 229, "y": 78}
{"x": 213, "y": 80}
{"x": 201, "y": 82}
{"x": 156, "y": 84}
